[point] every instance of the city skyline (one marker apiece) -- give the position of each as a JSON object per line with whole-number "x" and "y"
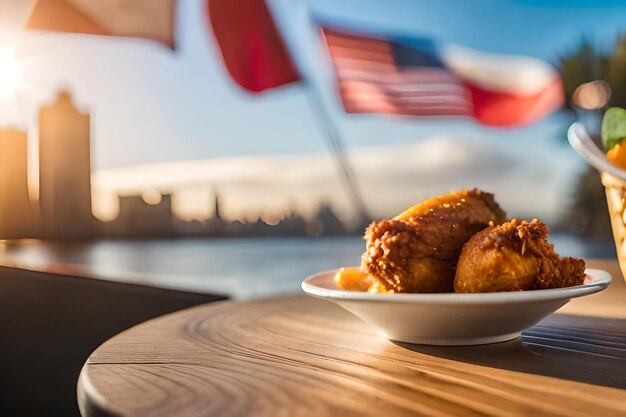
{"x": 58, "y": 202}
{"x": 62, "y": 206}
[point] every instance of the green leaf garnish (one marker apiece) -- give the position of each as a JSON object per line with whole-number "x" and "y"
{"x": 613, "y": 127}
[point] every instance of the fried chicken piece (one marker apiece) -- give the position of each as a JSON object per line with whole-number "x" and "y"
{"x": 514, "y": 256}
{"x": 417, "y": 251}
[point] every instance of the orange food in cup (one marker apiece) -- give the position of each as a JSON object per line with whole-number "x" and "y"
{"x": 617, "y": 155}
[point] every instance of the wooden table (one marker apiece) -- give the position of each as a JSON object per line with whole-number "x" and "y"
{"x": 299, "y": 356}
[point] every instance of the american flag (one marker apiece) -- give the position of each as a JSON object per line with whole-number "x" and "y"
{"x": 414, "y": 76}
{"x": 380, "y": 76}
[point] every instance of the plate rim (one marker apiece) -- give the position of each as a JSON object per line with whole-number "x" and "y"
{"x": 601, "y": 280}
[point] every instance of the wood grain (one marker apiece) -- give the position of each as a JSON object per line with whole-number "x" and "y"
{"x": 298, "y": 356}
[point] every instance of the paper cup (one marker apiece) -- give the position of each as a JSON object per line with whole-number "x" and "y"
{"x": 615, "y": 189}
{"x": 614, "y": 181}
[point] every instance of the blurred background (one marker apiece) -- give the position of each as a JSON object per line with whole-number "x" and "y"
{"x": 237, "y": 147}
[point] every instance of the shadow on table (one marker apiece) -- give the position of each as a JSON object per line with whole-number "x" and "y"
{"x": 578, "y": 348}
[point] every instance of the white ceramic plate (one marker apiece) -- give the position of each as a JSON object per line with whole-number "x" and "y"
{"x": 452, "y": 319}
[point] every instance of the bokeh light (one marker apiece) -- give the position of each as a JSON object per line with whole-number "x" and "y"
{"x": 592, "y": 95}
{"x": 151, "y": 197}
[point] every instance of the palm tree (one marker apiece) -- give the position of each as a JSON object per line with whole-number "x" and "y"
{"x": 583, "y": 65}
{"x": 587, "y": 63}
{"x": 588, "y": 213}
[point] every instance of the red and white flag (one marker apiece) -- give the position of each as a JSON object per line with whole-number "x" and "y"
{"x": 413, "y": 76}
{"x": 147, "y": 19}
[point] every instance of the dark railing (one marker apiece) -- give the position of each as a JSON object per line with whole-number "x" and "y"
{"x": 50, "y": 322}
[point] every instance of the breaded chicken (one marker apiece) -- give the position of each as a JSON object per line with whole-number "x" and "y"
{"x": 417, "y": 251}
{"x": 514, "y": 256}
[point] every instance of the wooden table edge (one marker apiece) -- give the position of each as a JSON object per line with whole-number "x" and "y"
{"x": 92, "y": 404}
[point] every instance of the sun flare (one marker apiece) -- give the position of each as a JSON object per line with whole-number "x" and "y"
{"x": 10, "y": 73}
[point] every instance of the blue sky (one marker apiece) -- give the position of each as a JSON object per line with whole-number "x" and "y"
{"x": 150, "y": 105}
{"x": 531, "y": 27}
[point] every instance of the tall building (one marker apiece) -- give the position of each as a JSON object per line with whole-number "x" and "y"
{"x": 19, "y": 217}
{"x": 139, "y": 219}
{"x": 216, "y": 212}
{"x": 65, "y": 170}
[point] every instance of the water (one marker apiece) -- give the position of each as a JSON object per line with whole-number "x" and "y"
{"x": 240, "y": 268}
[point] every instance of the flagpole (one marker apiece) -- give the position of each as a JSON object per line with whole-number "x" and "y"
{"x": 329, "y": 130}
{"x": 333, "y": 139}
